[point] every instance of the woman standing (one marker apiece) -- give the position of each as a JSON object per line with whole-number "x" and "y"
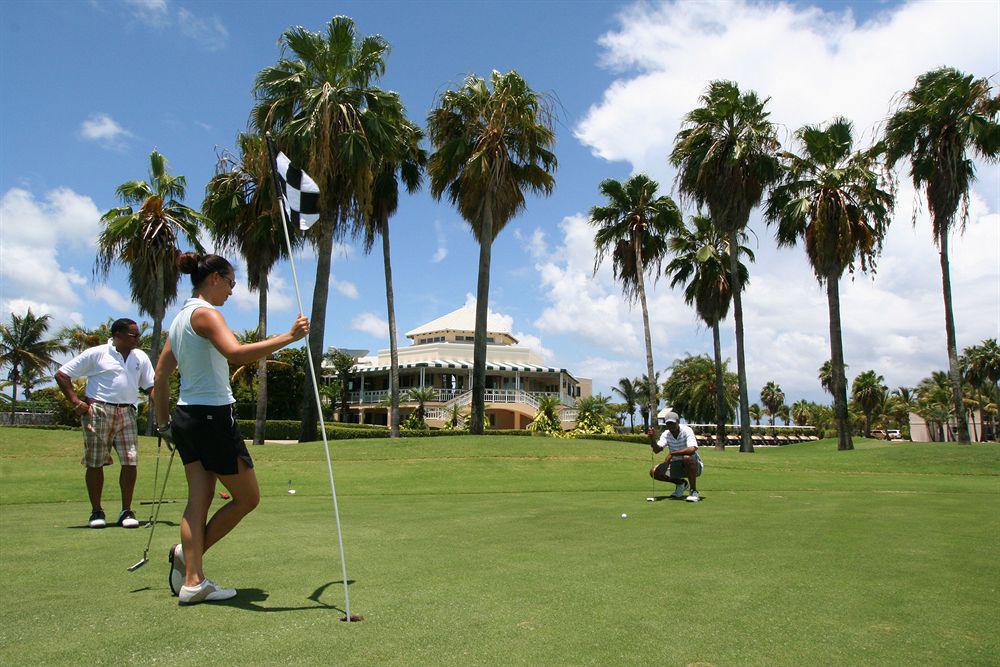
{"x": 204, "y": 430}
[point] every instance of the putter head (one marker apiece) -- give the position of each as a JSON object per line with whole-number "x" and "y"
{"x": 133, "y": 568}
{"x": 650, "y": 500}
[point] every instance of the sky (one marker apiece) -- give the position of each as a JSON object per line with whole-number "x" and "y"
{"x": 88, "y": 89}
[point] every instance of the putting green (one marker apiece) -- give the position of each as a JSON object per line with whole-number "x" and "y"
{"x": 512, "y": 550}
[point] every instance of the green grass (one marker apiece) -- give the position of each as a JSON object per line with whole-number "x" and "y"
{"x": 512, "y": 551}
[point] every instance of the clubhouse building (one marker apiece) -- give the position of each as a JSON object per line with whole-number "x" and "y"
{"x": 439, "y": 358}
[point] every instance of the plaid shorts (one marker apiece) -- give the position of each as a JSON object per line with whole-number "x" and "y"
{"x": 108, "y": 425}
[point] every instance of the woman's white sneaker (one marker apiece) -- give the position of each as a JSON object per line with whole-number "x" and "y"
{"x": 206, "y": 591}
{"x": 176, "y": 559}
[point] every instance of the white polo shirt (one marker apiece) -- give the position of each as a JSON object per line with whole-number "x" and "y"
{"x": 110, "y": 378}
{"x": 685, "y": 438}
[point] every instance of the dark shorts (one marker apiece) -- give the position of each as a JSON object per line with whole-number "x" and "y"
{"x": 677, "y": 470}
{"x": 209, "y": 434}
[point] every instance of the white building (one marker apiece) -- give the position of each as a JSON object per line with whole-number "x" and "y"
{"x": 440, "y": 358}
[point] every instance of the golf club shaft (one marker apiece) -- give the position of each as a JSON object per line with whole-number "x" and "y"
{"x": 156, "y": 477}
{"x": 156, "y": 513}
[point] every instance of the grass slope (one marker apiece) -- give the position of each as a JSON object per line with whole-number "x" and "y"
{"x": 512, "y": 550}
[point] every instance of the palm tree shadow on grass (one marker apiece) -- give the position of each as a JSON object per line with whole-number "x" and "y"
{"x": 250, "y": 599}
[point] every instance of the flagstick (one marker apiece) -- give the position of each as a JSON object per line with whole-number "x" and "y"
{"x": 312, "y": 374}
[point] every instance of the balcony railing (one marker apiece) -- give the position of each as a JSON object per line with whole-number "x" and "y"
{"x": 452, "y": 397}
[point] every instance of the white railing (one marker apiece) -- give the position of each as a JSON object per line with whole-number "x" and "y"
{"x": 569, "y": 415}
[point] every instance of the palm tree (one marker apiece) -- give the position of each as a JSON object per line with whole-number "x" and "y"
{"x": 421, "y": 396}
{"x": 772, "y": 397}
{"x": 725, "y": 156}
{"x": 946, "y": 115}
{"x": 242, "y": 373}
{"x": 979, "y": 365}
{"x": 934, "y": 402}
{"x": 784, "y": 413}
{"x": 630, "y": 395}
{"x": 800, "y": 412}
{"x": 869, "y": 391}
{"x": 593, "y": 413}
{"x": 701, "y": 259}
{"x": 634, "y": 227}
{"x": 343, "y": 364}
{"x": 547, "y": 416}
{"x": 754, "y": 413}
{"x": 243, "y": 216}
{"x": 145, "y": 239}
{"x": 691, "y": 389}
{"x": 642, "y": 386}
{"x": 25, "y": 350}
{"x": 323, "y": 107}
{"x": 491, "y": 148}
{"x": 404, "y": 163}
{"x": 79, "y": 338}
{"x": 832, "y": 198}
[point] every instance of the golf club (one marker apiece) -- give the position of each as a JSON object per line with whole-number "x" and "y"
{"x": 156, "y": 513}
{"x": 652, "y": 462}
{"x": 156, "y": 477}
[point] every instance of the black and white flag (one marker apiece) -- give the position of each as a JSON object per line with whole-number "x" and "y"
{"x": 299, "y": 193}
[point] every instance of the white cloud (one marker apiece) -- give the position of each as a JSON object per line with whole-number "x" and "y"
{"x": 813, "y": 65}
{"x": 533, "y": 342}
{"x": 109, "y": 295}
{"x": 103, "y": 129}
{"x": 344, "y": 287}
{"x": 371, "y": 324}
{"x": 151, "y": 12}
{"x": 442, "y": 243}
{"x": 62, "y": 316}
{"x": 33, "y": 231}
{"x": 209, "y": 32}
{"x": 279, "y": 297}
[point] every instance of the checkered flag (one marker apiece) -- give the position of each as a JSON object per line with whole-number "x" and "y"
{"x": 299, "y": 193}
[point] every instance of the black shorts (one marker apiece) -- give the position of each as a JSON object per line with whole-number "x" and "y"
{"x": 209, "y": 434}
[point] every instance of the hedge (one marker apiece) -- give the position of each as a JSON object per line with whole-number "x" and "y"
{"x": 616, "y": 437}
{"x": 44, "y": 427}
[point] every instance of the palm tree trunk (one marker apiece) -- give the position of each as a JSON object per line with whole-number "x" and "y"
{"x": 838, "y": 381}
{"x": 260, "y": 419}
{"x": 650, "y": 373}
{"x": 482, "y": 305}
{"x": 317, "y": 326}
{"x": 720, "y": 391}
{"x": 390, "y": 305}
{"x": 949, "y": 327}
{"x": 14, "y": 377}
{"x": 154, "y": 353}
{"x": 746, "y": 443}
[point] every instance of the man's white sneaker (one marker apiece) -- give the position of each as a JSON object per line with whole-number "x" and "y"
{"x": 127, "y": 519}
{"x": 680, "y": 491}
{"x": 176, "y": 559}
{"x": 97, "y": 519}
{"x": 206, "y": 591}
{"x": 693, "y": 498}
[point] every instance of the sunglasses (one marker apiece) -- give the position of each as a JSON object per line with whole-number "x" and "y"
{"x": 232, "y": 281}
{"x": 129, "y": 334}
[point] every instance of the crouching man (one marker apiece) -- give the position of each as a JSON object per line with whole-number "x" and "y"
{"x": 683, "y": 465}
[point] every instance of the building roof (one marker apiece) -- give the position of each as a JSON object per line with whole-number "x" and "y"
{"x": 453, "y": 363}
{"x": 462, "y": 319}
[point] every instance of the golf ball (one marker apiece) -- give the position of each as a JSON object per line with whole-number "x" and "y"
{"x": 624, "y": 516}
{"x": 291, "y": 491}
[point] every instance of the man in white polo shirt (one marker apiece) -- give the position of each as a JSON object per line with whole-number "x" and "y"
{"x": 682, "y": 459}
{"x": 115, "y": 373}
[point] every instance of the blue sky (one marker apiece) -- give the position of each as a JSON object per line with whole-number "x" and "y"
{"x": 89, "y": 88}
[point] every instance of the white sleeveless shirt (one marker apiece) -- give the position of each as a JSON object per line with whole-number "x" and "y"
{"x": 204, "y": 371}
